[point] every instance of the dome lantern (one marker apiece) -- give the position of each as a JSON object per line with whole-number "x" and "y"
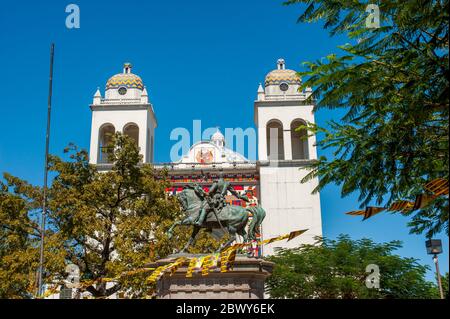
{"x": 127, "y": 67}
{"x": 218, "y": 138}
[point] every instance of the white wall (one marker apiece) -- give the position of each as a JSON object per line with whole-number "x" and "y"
{"x": 285, "y": 114}
{"x": 289, "y": 206}
{"x": 119, "y": 118}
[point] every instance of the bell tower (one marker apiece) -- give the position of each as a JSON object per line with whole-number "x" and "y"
{"x": 284, "y": 152}
{"x": 125, "y": 108}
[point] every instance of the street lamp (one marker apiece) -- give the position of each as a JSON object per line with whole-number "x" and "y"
{"x": 434, "y": 247}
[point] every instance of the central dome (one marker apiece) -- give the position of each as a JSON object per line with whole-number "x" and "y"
{"x": 282, "y": 75}
{"x": 125, "y": 79}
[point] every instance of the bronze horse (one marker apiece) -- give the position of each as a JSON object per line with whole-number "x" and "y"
{"x": 231, "y": 218}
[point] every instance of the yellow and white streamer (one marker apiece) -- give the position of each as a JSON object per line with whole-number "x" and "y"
{"x": 205, "y": 264}
{"x": 438, "y": 187}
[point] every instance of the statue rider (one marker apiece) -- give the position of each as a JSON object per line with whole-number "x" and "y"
{"x": 202, "y": 195}
{"x": 215, "y": 199}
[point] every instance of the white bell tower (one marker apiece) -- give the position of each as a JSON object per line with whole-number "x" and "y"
{"x": 283, "y": 154}
{"x": 125, "y": 108}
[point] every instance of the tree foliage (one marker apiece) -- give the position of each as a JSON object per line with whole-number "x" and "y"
{"x": 445, "y": 282}
{"x": 105, "y": 222}
{"x": 337, "y": 269}
{"x": 20, "y": 203}
{"x": 392, "y": 82}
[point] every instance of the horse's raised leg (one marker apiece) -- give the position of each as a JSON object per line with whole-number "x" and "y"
{"x": 232, "y": 232}
{"x": 244, "y": 235}
{"x": 246, "y": 239}
{"x": 169, "y": 233}
{"x": 191, "y": 240}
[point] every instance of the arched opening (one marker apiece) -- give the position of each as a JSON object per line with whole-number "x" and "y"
{"x": 105, "y": 135}
{"x": 299, "y": 140}
{"x": 132, "y": 130}
{"x": 275, "y": 144}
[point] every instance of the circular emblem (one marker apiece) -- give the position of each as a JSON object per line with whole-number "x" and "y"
{"x": 284, "y": 86}
{"x": 122, "y": 90}
{"x": 204, "y": 156}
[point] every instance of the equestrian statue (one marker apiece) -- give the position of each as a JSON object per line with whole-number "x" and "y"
{"x": 210, "y": 211}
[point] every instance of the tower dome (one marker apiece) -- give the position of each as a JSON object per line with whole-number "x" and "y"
{"x": 282, "y": 75}
{"x": 218, "y": 138}
{"x": 125, "y": 79}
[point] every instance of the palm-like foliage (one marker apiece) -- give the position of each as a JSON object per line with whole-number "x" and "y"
{"x": 393, "y": 83}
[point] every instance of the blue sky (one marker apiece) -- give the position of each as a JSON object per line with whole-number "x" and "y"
{"x": 199, "y": 60}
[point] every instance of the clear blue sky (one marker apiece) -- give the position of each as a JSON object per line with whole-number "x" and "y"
{"x": 198, "y": 59}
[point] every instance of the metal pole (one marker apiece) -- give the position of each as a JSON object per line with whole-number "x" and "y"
{"x": 441, "y": 291}
{"x": 44, "y": 201}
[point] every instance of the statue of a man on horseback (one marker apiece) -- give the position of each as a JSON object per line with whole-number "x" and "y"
{"x": 209, "y": 210}
{"x": 214, "y": 201}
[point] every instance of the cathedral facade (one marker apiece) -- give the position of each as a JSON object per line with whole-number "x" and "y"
{"x": 272, "y": 181}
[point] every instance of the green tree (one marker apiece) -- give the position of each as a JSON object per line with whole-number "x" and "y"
{"x": 392, "y": 82}
{"x": 105, "y": 222}
{"x": 19, "y": 239}
{"x": 337, "y": 269}
{"x": 444, "y": 280}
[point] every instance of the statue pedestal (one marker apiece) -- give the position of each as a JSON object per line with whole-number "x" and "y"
{"x": 244, "y": 281}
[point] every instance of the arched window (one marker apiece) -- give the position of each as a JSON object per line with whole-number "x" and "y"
{"x": 105, "y": 134}
{"x": 299, "y": 140}
{"x": 132, "y": 130}
{"x": 275, "y": 144}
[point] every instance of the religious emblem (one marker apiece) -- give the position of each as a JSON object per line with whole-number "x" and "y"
{"x": 204, "y": 156}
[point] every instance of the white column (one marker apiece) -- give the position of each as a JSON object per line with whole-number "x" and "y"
{"x": 142, "y": 143}
{"x": 287, "y": 144}
{"x": 93, "y": 149}
{"x": 262, "y": 143}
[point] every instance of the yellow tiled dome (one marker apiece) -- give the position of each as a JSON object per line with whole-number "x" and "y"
{"x": 126, "y": 79}
{"x": 279, "y": 76}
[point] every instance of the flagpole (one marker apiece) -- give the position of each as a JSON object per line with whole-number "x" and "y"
{"x": 44, "y": 201}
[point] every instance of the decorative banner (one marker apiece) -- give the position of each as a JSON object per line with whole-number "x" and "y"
{"x": 401, "y": 206}
{"x": 191, "y": 266}
{"x": 296, "y": 233}
{"x": 271, "y": 240}
{"x": 423, "y": 200}
{"x": 356, "y": 212}
{"x": 174, "y": 266}
{"x": 438, "y": 186}
{"x": 214, "y": 262}
{"x": 205, "y": 264}
{"x": 226, "y": 257}
{"x": 231, "y": 259}
{"x": 372, "y": 211}
{"x": 157, "y": 274}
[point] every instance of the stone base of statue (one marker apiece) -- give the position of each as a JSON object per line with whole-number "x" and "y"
{"x": 244, "y": 281}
